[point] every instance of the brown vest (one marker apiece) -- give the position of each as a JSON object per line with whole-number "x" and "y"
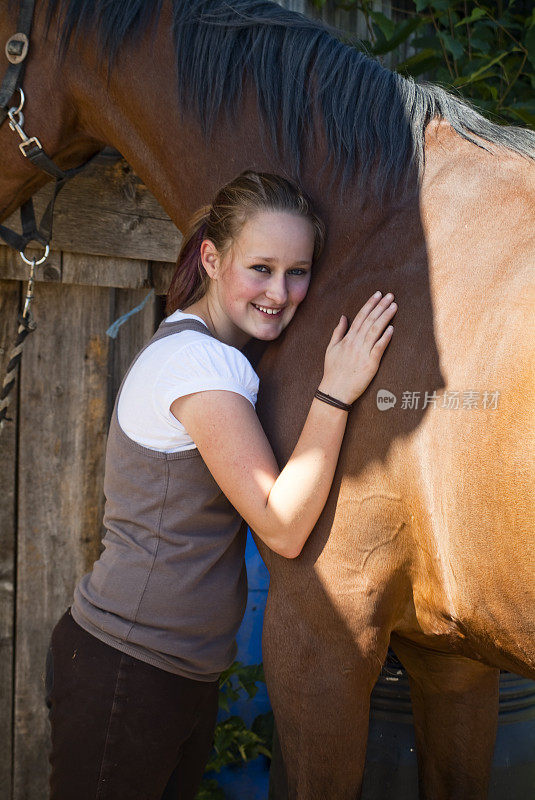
{"x": 170, "y": 587}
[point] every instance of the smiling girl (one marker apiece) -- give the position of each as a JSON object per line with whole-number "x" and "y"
{"x": 133, "y": 667}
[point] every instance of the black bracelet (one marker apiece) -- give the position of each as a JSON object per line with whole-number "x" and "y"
{"x": 332, "y": 401}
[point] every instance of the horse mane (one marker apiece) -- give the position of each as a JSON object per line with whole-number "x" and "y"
{"x": 373, "y": 118}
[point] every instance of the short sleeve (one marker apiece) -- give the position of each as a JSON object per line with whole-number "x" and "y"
{"x": 202, "y": 365}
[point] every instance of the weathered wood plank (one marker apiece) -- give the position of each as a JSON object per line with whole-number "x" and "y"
{"x": 104, "y": 271}
{"x": 87, "y": 270}
{"x": 107, "y": 210}
{"x": 9, "y": 309}
{"x": 69, "y": 375}
{"x": 63, "y": 421}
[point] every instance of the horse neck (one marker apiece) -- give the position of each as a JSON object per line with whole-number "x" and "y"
{"x": 50, "y": 114}
{"x": 135, "y": 110}
{"x": 138, "y": 114}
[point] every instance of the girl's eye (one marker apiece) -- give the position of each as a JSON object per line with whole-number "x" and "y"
{"x": 260, "y": 267}
{"x": 298, "y": 271}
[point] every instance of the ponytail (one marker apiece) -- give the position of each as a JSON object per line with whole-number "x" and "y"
{"x": 190, "y": 280}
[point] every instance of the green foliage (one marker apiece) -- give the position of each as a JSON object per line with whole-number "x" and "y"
{"x": 210, "y": 790}
{"x": 239, "y": 679}
{"x": 482, "y": 50}
{"x": 234, "y": 742}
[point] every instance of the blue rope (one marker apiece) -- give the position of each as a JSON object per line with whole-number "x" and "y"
{"x": 113, "y": 330}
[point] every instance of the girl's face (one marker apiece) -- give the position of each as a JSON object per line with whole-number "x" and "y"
{"x": 256, "y": 286}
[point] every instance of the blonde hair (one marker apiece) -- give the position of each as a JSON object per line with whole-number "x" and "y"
{"x": 222, "y": 221}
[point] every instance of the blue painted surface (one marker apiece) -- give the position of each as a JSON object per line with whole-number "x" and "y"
{"x": 250, "y": 782}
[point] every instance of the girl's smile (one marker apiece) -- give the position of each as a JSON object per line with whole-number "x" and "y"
{"x": 269, "y": 311}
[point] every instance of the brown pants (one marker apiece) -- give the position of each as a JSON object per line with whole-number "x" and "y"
{"x": 123, "y": 729}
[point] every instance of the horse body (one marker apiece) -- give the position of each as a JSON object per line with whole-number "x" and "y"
{"x": 431, "y": 508}
{"x": 455, "y": 470}
{"x": 424, "y": 543}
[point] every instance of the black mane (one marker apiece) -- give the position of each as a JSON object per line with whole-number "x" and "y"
{"x": 372, "y": 117}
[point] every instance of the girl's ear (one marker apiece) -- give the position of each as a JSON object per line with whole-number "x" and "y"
{"x": 210, "y": 258}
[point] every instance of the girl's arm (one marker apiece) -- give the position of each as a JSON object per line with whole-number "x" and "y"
{"x": 282, "y": 507}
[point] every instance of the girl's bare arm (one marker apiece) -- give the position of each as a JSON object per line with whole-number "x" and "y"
{"x": 282, "y": 507}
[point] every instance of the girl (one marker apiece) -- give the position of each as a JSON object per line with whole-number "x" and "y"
{"x": 133, "y": 667}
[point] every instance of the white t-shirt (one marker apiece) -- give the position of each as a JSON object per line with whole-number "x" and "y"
{"x": 177, "y": 365}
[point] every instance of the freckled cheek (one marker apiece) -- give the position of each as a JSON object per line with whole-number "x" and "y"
{"x": 299, "y": 293}
{"x": 239, "y": 292}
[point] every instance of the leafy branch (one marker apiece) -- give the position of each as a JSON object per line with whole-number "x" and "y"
{"x": 234, "y": 742}
{"x": 484, "y": 49}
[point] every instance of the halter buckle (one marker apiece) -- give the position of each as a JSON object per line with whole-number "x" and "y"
{"x": 27, "y": 142}
{"x": 17, "y": 48}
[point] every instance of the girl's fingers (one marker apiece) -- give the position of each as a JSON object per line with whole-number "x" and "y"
{"x": 381, "y": 343}
{"x": 375, "y": 329}
{"x": 338, "y": 333}
{"x": 376, "y": 312}
{"x": 372, "y": 303}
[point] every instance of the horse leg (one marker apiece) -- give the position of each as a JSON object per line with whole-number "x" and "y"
{"x": 320, "y": 693}
{"x": 322, "y": 725}
{"x": 455, "y": 707}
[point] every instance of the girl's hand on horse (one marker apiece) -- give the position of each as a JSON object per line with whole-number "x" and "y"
{"x": 353, "y": 355}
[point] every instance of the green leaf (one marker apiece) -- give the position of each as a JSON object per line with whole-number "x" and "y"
{"x": 426, "y": 42}
{"x": 524, "y": 111}
{"x": 476, "y": 14}
{"x": 419, "y": 63}
{"x": 480, "y": 44}
{"x": 210, "y": 790}
{"x": 529, "y": 21}
{"x": 441, "y": 5}
{"x": 529, "y": 42}
{"x": 421, "y": 4}
{"x": 386, "y": 26}
{"x": 492, "y": 90}
{"x": 451, "y": 44}
{"x": 234, "y": 743}
{"x": 402, "y": 33}
{"x": 463, "y": 80}
{"x": 263, "y": 726}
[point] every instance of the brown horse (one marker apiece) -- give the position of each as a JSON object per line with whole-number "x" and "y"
{"x": 426, "y": 541}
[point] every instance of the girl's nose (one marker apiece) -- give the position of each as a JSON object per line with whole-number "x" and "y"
{"x": 277, "y": 290}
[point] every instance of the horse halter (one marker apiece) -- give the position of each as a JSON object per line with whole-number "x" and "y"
{"x": 16, "y": 50}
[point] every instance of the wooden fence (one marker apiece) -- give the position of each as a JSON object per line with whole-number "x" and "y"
{"x": 112, "y": 244}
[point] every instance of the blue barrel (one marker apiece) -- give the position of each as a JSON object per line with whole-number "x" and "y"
{"x": 391, "y": 767}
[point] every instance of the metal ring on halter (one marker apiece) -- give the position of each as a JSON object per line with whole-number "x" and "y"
{"x": 32, "y": 260}
{"x": 21, "y": 104}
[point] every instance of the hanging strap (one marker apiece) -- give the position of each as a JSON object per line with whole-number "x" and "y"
{"x": 26, "y": 326}
{"x": 31, "y": 232}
